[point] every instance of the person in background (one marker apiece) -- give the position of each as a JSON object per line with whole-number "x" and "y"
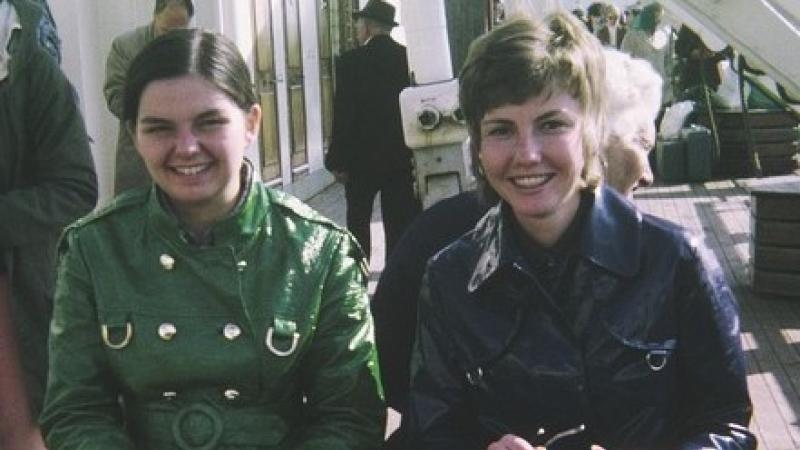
{"x": 633, "y": 90}
{"x": 168, "y": 15}
{"x": 368, "y": 152}
{"x": 699, "y": 64}
{"x": 47, "y": 180}
{"x": 567, "y": 318}
{"x": 613, "y": 31}
{"x": 578, "y": 13}
{"x": 207, "y": 311}
{"x": 650, "y": 39}
{"x": 596, "y": 17}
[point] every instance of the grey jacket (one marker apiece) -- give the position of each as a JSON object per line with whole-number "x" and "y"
{"x": 129, "y": 169}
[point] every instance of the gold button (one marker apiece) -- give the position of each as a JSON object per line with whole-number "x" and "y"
{"x": 167, "y": 331}
{"x": 167, "y": 262}
{"x": 169, "y": 395}
{"x": 241, "y": 265}
{"x": 231, "y": 394}
{"x": 231, "y": 331}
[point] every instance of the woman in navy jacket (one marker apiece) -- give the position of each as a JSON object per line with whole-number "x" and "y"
{"x": 567, "y": 318}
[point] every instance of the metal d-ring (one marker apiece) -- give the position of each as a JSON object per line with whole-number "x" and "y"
{"x": 656, "y": 359}
{"x": 124, "y": 343}
{"x": 271, "y": 346}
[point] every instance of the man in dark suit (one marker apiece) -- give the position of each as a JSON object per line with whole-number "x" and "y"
{"x": 367, "y": 150}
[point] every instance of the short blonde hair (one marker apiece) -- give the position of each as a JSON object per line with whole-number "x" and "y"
{"x": 525, "y": 58}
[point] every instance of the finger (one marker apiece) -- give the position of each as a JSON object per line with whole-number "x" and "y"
{"x": 512, "y": 442}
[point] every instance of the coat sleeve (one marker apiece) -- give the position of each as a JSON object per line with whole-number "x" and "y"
{"x": 340, "y": 374}
{"x": 116, "y": 69}
{"x": 714, "y": 398}
{"x": 438, "y": 411}
{"x": 81, "y": 410}
{"x": 61, "y": 184}
{"x": 344, "y": 116}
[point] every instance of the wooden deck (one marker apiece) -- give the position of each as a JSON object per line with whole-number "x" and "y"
{"x": 719, "y": 211}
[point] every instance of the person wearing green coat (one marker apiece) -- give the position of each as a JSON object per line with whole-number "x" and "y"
{"x": 208, "y": 311}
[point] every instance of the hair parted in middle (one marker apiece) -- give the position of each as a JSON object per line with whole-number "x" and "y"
{"x": 181, "y": 52}
{"x": 525, "y": 58}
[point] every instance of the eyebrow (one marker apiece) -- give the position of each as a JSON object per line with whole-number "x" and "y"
{"x": 158, "y": 120}
{"x": 548, "y": 115}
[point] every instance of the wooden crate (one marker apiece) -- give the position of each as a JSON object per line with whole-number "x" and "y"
{"x": 775, "y": 239}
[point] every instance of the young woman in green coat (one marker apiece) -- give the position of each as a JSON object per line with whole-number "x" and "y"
{"x": 207, "y": 311}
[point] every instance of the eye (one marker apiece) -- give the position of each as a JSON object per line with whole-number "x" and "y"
{"x": 497, "y": 131}
{"x": 554, "y": 125}
{"x": 155, "y": 128}
{"x": 212, "y": 122}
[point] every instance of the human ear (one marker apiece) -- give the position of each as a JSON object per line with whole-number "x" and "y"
{"x": 252, "y": 122}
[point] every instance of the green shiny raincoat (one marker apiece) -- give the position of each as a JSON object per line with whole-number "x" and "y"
{"x": 262, "y": 340}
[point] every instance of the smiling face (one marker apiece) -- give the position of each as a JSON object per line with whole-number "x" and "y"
{"x": 532, "y": 156}
{"x": 192, "y": 138}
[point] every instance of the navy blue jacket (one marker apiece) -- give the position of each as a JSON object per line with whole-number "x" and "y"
{"x": 649, "y": 359}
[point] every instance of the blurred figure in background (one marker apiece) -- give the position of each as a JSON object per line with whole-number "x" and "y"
{"x": 595, "y": 19}
{"x": 129, "y": 169}
{"x": 613, "y": 31}
{"x": 699, "y": 65}
{"x": 649, "y": 39}
{"x": 634, "y": 99}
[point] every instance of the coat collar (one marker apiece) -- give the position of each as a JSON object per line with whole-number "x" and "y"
{"x": 245, "y": 221}
{"x": 378, "y": 40}
{"x": 610, "y": 239}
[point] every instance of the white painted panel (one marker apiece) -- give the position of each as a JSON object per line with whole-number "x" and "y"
{"x": 425, "y": 25}
{"x": 309, "y": 37}
{"x": 282, "y": 91}
{"x": 86, "y": 29}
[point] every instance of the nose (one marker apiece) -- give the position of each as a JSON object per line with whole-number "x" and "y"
{"x": 646, "y": 179}
{"x": 186, "y": 142}
{"x": 529, "y": 149}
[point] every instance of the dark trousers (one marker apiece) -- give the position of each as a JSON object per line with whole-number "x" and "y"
{"x": 399, "y": 206}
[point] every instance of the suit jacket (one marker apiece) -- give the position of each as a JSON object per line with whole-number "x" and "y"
{"x": 605, "y": 37}
{"x": 367, "y": 129}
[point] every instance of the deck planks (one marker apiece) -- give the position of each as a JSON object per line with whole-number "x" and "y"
{"x": 719, "y": 213}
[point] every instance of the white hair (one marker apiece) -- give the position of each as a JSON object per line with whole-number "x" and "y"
{"x": 633, "y": 92}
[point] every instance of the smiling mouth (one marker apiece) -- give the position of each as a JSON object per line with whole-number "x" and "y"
{"x": 190, "y": 170}
{"x": 531, "y": 181}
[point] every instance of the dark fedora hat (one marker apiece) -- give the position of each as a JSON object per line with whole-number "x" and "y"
{"x": 378, "y": 10}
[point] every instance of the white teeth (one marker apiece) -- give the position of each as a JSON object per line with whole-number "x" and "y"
{"x": 530, "y": 181}
{"x": 191, "y": 170}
